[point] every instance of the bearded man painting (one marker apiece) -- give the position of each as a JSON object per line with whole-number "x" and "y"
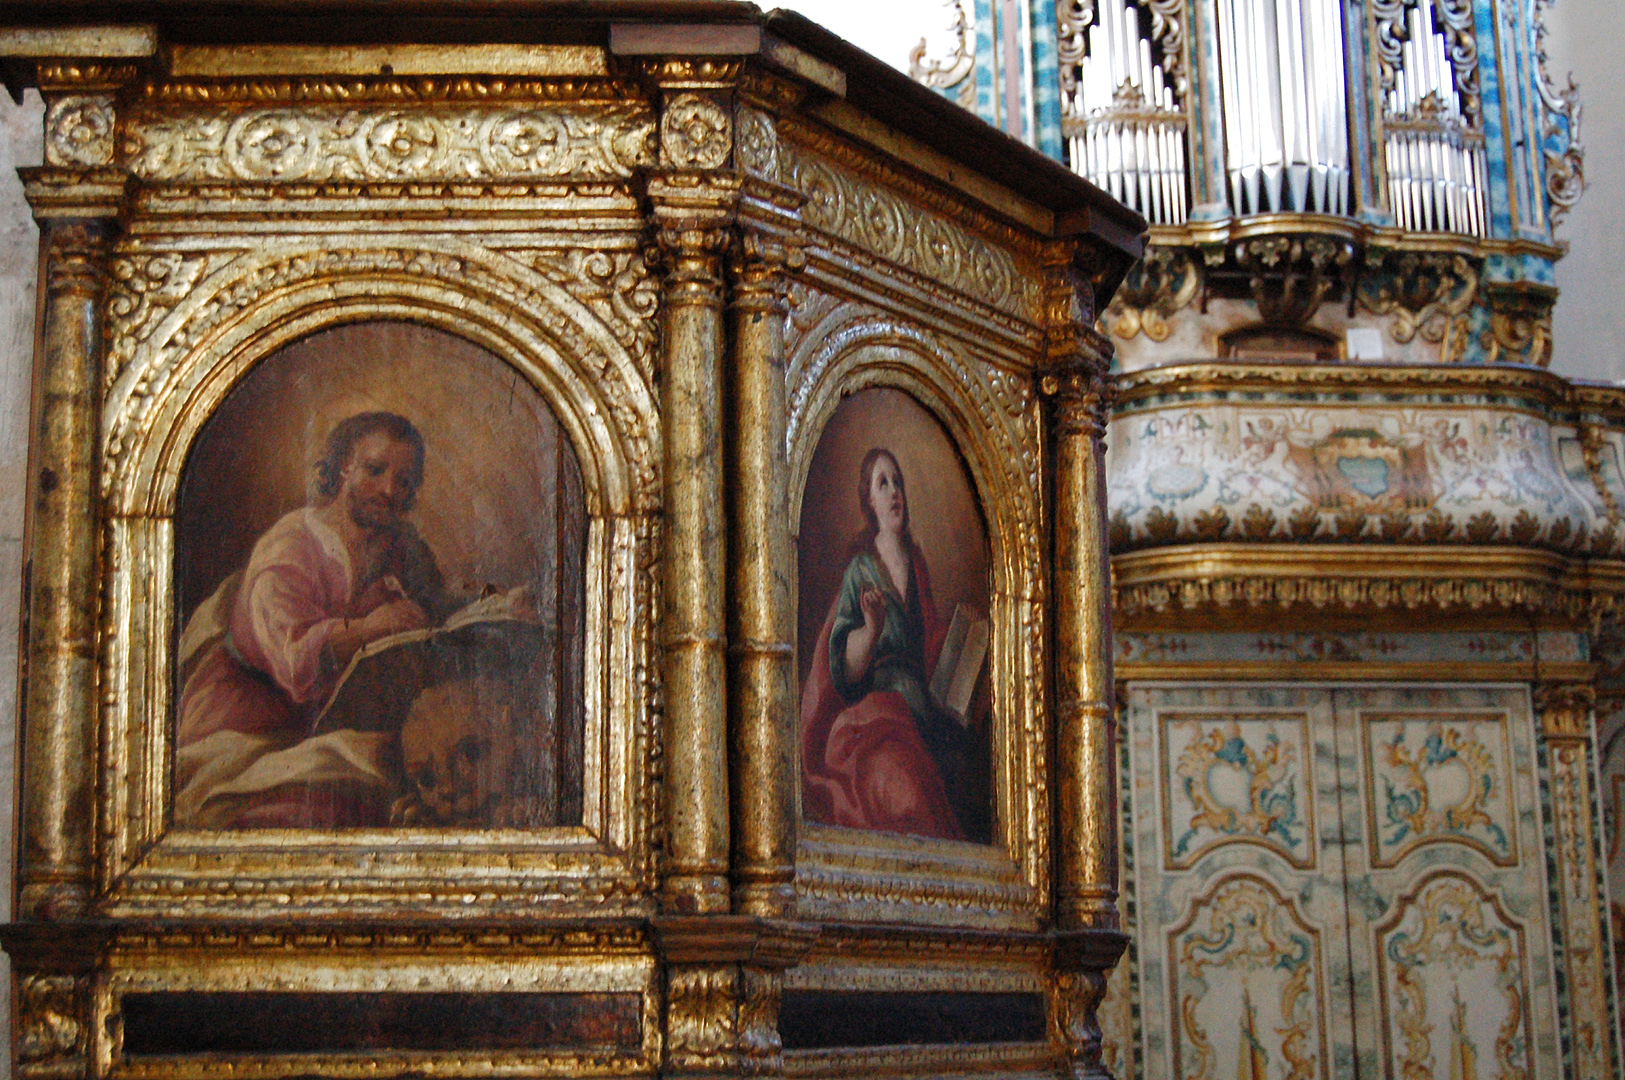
{"x": 262, "y": 655}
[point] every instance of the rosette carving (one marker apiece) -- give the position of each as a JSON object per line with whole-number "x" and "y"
{"x": 603, "y": 142}
{"x": 79, "y": 131}
{"x": 695, "y": 133}
{"x": 758, "y": 144}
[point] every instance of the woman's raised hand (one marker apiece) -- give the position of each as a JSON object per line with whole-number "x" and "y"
{"x": 874, "y": 608}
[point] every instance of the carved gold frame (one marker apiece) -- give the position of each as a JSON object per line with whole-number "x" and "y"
{"x": 870, "y": 326}
{"x": 623, "y": 227}
{"x": 186, "y": 320}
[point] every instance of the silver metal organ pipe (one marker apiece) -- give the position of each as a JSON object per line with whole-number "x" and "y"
{"x": 1125, "y": 127}
{"x": 1434, "y": 151}
{"x": 1281, "y": 63}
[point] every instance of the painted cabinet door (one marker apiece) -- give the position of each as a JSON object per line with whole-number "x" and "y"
{"x": 1333, "y": 882}
{"x": 1444, "y": 857}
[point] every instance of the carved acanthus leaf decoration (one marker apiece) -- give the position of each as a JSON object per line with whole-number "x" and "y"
{"x": 1388, "y": 16}
{"x": 617, "y": 285}
{"x": 1560, "y": 130}
{"x": 1168, "y": 30}
{"x": 1073, "y": 19}
{"x": 50, "y": 1036}
{"x": 1454, "y": 21}
{"x": 145, "y": 288}
{"x": 702, "y": 1020}
{"x": 957, "y": 68}
{"x": 1455, "y": 18}
{"x": 1520, "y": 330}
{"x": 383, "y": 144}
{"x": 1290, "y": 275}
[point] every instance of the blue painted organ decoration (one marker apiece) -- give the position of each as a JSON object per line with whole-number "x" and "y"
{"x": 1392, "y": 168}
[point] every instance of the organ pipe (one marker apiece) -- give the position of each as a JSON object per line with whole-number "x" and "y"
{"x": 1125, "y": 126}
{"x": 1286, "y": 136}
{"x": 1434, "y": 150}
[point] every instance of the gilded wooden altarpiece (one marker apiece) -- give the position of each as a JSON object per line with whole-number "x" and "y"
{"x": 691, "y": 237}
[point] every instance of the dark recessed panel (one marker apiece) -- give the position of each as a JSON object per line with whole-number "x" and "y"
{"x": 195, "y": 1022}
{"x": 819, "y": 1019}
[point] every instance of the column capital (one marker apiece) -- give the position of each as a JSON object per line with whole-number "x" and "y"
{"x": 69, "y": 193}
{"x": 1565, "y": 710}
{"x": 1082, "y": 395}
{"x": 693, "y": 212}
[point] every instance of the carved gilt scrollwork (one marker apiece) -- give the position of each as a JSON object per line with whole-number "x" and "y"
{"x": 379, "y": 143}
{"x": 956, "y": 69}
{"x": 1560, "y": 129}
{"x": 1454, "y": 19}
{"x": 50, "y": 1036}
{"x": 1289, "y": 276}
{"x": 618, "y": 285}
{"x": 1161, "y": 284}
{"x": 1388, "y": 16}
{"x": 1428, "y": 294}
{"x": 1461, "y": 43}
{"x": 1520, "y": 317}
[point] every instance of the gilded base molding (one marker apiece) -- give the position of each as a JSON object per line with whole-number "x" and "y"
{"x": 1348, "y": 578}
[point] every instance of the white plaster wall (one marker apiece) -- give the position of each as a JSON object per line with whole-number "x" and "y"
{"x": 20, "y": 144}
{"x": 1587, "y": 38}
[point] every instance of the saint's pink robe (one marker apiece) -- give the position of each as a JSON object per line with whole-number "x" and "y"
{"x": 864, "y": 765}
{"x": 271, "y": 675}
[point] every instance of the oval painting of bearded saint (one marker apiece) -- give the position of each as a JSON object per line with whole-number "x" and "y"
{"x": 380, "y": 548}
{"x": 894, "y": 631}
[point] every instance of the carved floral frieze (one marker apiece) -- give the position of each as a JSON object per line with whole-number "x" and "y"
{"x": 848, "y": 205}
{"x": 381, "y": 143}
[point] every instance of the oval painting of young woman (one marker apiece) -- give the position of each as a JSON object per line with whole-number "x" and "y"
{"x": 894, "y": 643}
{"x": 379, "y": 573}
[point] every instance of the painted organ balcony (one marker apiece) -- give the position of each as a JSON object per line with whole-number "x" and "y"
{"x": 1323, "y": 181}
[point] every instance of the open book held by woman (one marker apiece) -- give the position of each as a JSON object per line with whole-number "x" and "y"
{"x": 877, "y": 751}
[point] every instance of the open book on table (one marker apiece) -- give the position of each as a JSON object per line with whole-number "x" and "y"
{"x": 497, "y": 634}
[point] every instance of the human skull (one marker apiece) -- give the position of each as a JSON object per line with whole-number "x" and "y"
{"x": 457, "y": 751}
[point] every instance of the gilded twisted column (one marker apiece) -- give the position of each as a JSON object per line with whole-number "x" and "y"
{"x": 60, "y": 700}
{"x": 1566, "y": 728}
{"x": 761, "y": 695}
